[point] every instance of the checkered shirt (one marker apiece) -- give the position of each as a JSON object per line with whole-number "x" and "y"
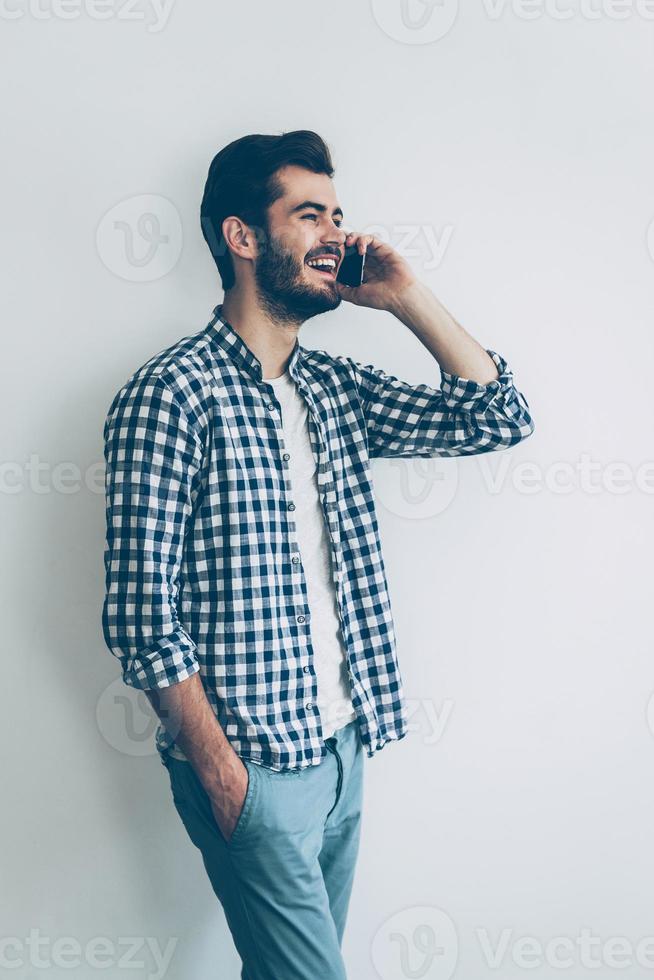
{"x": 202, "y": 561}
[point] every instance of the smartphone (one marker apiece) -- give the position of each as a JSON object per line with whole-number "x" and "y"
{"x": 350, "y": 272}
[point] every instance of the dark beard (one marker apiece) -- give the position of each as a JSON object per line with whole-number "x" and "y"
{"x": 283, "y": 295}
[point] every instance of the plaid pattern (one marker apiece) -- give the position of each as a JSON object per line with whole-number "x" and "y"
{"x": 203, "y": 570}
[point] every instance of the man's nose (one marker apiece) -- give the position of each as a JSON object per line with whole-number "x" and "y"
{"x": 334, "y": 236}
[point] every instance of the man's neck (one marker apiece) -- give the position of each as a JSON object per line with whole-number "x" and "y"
{"x": 271, "y": 340}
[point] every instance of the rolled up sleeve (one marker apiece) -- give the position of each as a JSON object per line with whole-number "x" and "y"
{"x": 461, "y": 417}
{"x": 152, "y": 458}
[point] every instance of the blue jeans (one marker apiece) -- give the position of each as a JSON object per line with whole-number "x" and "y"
{"x": 284, "y": 877}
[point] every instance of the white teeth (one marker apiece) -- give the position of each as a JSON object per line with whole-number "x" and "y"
{"x": 322, "y": 263}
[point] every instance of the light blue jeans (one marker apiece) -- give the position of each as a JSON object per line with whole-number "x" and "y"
{"x": 284, "y": 877}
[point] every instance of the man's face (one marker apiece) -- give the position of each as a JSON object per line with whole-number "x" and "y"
{"x": 303, "y": 224}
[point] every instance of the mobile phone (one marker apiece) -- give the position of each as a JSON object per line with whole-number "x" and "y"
{"x": 350, "y": 272}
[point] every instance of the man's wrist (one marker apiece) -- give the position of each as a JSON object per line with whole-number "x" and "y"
{"x": 217, "y": 768}
{"x": 413, "y": 302}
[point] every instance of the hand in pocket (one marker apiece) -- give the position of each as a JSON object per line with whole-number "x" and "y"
{"x": 227, "y": 805}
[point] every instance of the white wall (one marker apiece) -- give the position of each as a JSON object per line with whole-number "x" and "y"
{"x": 525, "y": 146}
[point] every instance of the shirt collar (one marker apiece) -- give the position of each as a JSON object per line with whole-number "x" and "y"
{"x": 224, "y": 334}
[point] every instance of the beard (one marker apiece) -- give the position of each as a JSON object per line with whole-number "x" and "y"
{"x": 282, "y": 290}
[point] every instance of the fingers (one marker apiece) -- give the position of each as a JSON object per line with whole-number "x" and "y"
{"x": 370, "y": 243}
{"x": 349, "y": 293}
{"x": 362, "y": 241}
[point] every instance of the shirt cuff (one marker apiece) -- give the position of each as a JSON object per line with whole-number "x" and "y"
{"x": 171, "y": 660}
{"x": 463, "y": 393}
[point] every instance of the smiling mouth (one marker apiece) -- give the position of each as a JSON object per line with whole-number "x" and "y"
{"x": 325, "y": 272}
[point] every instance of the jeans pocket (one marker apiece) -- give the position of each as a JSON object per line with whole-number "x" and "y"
{"x": 176, "y": 772}
{"x": 245, "y": 815}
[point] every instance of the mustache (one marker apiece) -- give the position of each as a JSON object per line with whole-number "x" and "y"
{"x": 326, "y": 251}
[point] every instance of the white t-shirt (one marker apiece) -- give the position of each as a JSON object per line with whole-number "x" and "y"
{"x": 334, "y": 699}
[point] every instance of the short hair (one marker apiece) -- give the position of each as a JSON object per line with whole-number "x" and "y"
{"x": 241, "y": 181}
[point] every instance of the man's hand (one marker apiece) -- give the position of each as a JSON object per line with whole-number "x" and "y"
{"x": 185, "y": 712}
{"x": 385, "y": 276}
{"x": 227, "y": 805}
{"x": 390, "y": 285}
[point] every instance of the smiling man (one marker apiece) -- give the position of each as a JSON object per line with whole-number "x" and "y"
{"x": 245, "y": 584}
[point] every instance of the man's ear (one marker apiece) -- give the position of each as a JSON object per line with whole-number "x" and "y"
{"x": 240, "y": 238}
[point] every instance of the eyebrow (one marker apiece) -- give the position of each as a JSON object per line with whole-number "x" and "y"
{"x": 317, "y": 207}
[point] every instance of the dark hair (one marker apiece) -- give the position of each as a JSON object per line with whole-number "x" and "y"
{"x": 241, "y": 181}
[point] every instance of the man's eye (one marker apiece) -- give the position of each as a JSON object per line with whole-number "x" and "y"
{"x": 315, "y": 218}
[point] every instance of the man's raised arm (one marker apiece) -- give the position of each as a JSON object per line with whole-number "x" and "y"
{"x": 477, "y": 409}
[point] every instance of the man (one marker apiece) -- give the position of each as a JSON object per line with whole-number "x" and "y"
{"x": 246, "y": 591}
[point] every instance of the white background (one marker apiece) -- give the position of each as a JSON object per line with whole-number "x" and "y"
{"x": 521, "y": 604}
